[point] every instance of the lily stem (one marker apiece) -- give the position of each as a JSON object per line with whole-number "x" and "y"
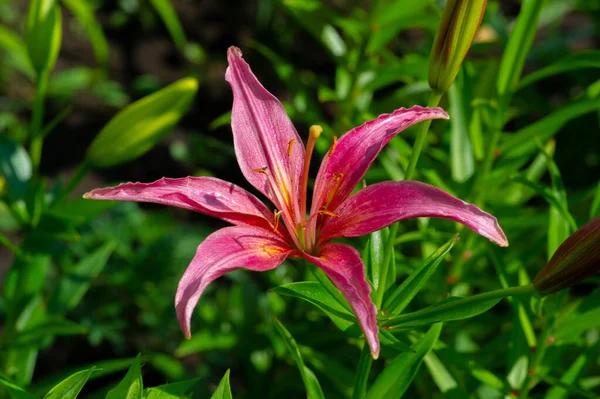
{"x": 434, "y": 100}
{"x": 35, "y": 133}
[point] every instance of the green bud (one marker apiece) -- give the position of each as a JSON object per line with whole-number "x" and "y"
{"x": 139, "y": 126}
{"x": 459, "y": 23}
{"x": 43, "y": 34}
{"x": 577, "y": 258}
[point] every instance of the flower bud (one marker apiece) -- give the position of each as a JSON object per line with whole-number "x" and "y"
{"x": 138, "y": 127}
{"x": 459, "y": 23}
{"x": 577, "y": 258}
{"x": 43, "y": 34}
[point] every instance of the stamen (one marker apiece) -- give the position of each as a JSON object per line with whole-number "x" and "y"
{"x": 262, "y": 170}
{"x": 336, "y": 182}
{"x": 276, "y": 217}
{"x": 313, "y": 134}
{"x": 290, "y": 147}
{"x": 328, "y": 213}
{"x": 332, "y": 148}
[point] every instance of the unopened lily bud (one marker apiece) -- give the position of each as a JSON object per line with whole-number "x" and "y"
{"x": 458, "y": 26}
{"x": 577, "y": 258}
{"x": 43, "y": 34}
{"x": 141, "y": 125}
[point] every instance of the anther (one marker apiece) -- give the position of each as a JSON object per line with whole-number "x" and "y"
{"x": 276, "y": 217}
{"x": 262, "y": 170}
{"x": 332, "y": 148}
{"x": 290, "y": 147}
{"x": 328, "y": 213}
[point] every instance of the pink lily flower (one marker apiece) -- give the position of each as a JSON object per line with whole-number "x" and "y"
{"x": 273, "y": 159}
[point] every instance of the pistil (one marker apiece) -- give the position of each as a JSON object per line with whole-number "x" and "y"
{"x": 313, "y": 134}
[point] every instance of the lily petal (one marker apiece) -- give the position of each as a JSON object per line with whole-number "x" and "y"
{"x": 207, "y": 195}
{"x": 382, "y": 204}
{"x": 348, "y": 161}
{"x": 345, "y": 269}
{"x": 264, "y": 137}
{"x": 223, "y": 251}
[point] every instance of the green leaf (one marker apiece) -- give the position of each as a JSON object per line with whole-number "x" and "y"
{"x": 397, "y": 376}
{"x": 73, "y": 286}
{"x": 36, "y": 334}
{"x": 518, "y": 372}
{"x": 317, "y": 19}
{"x": 314, "y": 292}
{"x": 70, "y": 387}
{"x": 572, "y": 62}
{"x": 525, "y": 141}
{"x": 517, "y": 48}
{"x": 85, "y": 13}
{"x": 167, "y": 13}
{"x": 15, "y": 391}
{"x": 203, "y": 341}
{"x": 16, "y": 50}
{"x": 391, "y": 17}
{"x": 15, "y": 166}
{"x": 450, "y": 309}
{"x": 175, "y": 390}
{"x": 313, "y": 388}
{"x": 440, "y": 374}
{"x": 402, "y": 295}
{"x": 43, "y": 34}
{"x": 102, "y": 369}
{"x": 569, "y": 378}
{"x": 462, "y": 161}
{"x": 131, "y": 386}
{"x": 224, "y": 389}
{"x": 141, "y": 125}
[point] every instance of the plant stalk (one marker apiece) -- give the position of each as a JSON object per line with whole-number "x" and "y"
{"x": 35, "y": 133}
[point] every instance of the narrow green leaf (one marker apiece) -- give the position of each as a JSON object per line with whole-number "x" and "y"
{"x": 16, "y": 391}
{"x": 203, "y": 341}
{"x": 86, "y": 15}
{"x": 518, "y": 372}
{"x": 167, "y": 13}
{"x": 550, "y": 197}
{"x": 313, "y": 388}
{"x": 141, "y": 125}
{"x": 572, "y": 62}
{"x": 440, "y": 374}
{"x": 16, "y": 51}
{"x": 525, "y": 141}
{"x": 314, "y": 292}
{"x": 568, "y": 379}
{"x": 15, "y": 166}
{"x": 38, "y": 333}
{"x": 131, "y": 386}
{"x": 70, "y": 387}
{"x": 224, "y": 389}
{"x": 102, "y": 369}
{"x": 462, "y": 161}
{"x": 73, "y": 286}
{"x": 518, "y": 46}
{"x": 402, "y": 295}
{"x": 376, "y": 255}
{"x": 397, "y": 376}
{"x": 175, "y": 390}
{"x": 450, "y": 309}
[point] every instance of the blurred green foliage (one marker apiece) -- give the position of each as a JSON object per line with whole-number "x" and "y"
{"x": 87, "y": 286}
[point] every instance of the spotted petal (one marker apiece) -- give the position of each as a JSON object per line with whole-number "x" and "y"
{"x": 349, "y": 160}
{"x": 345, "y": 269}
{"x": 264, "y": 137}
{"x": 226, "y": 250}
{"x": 382, "y": 204}
{"x": 206, "y": 195}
